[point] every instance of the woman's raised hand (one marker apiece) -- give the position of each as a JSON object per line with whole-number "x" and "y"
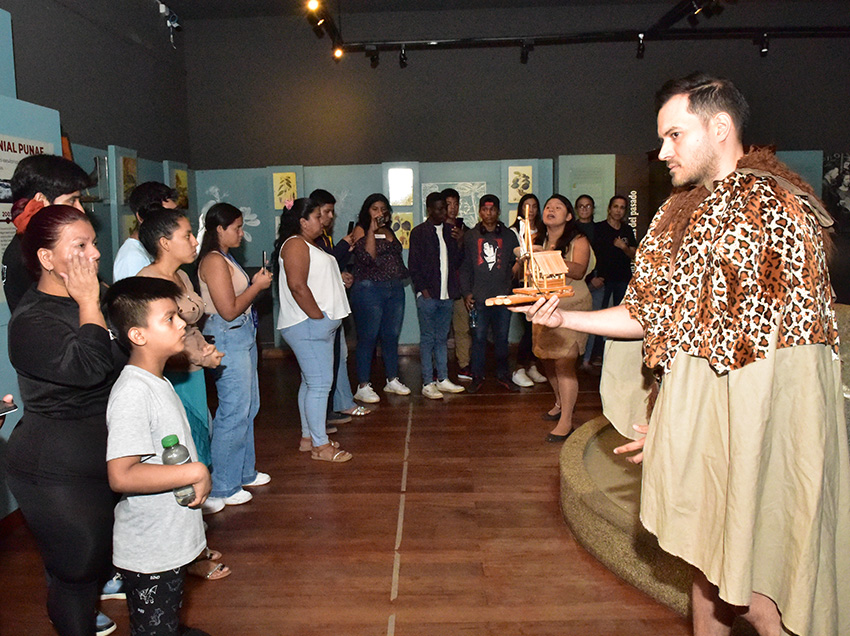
{"x": 81, "y": 279}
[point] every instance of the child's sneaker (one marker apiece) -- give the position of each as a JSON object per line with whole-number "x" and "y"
{"x": 104, "y": 625}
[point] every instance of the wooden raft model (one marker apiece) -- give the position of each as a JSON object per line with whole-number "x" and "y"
{"x": 545, "y": 276}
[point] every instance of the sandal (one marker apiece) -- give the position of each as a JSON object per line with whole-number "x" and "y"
{"x": 208, "y": 555}
{"x": 330, "y": 453}
{"x": 306, "y": 444}
{"x": 202, "y": 570}
{"x": 358, "y": 411}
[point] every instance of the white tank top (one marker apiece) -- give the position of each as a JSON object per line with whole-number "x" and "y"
{"x": 324, "y": 282}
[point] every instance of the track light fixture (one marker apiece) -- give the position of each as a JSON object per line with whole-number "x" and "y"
{"x": 641, "y": 47}
{"x": 373, "y": 55}
{"x": 763, "y": 45}
{"x": 402, "y": 58}
{"x": 338, "y": 51}
{"x": 527, "y": 46}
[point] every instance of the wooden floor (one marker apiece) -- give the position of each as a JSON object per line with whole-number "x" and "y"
{"x": 446, "y": 522}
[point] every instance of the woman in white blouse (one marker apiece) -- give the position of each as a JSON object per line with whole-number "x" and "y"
{"x": 312, "y": 306}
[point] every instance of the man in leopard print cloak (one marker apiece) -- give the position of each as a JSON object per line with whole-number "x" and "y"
{"x": 746, "y": 473}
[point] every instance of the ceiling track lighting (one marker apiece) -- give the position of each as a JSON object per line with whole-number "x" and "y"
{"x": 641, "y": 47}
{"x": 764, "y": 45}
{"x": 526, "y": 47}
{"x": 402, "y": 58}
{"x": 373, "y": 55}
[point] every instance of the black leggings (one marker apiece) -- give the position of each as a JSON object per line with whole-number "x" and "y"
{"x": 72, "y": 524}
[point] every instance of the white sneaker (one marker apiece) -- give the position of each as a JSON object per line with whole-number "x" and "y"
{"x": 395, "y": 386}
{"x": 212, "y": 505}
{"x": 431, "y": 391}
{"x": 239, "y": 497}
{"x": 520, "y": 378}
{"x": 535, "y": 375}
{"x": 260, "y": 480}
{"x": 447, "y": 386}
{"x": 367, "y": 394}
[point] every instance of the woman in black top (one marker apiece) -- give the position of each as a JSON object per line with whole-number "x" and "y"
{"x": 66, "y": 364}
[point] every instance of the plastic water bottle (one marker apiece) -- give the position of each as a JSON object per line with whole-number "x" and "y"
{"x": 174, "y": 454}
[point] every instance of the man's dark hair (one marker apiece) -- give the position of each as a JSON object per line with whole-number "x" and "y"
{"x": 489, "y": 198}
{"x": 615, "y": 197}
{"x": 51, "y": 175}
{"x": 323, "y": 197}
{"x": 128, "y": 303}
{"x": 450, "y": 192}
{"x": 707, "y": 96}
{"x": 431, "y": 199}
{"x": 149, "y": 194}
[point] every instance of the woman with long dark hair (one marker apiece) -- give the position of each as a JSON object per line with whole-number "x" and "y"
{"x": 377, "y": 296}
{"x": 312, "y": 306}
{"x": 228, "y": 294}
{"x": 56, "y": 456}
{"x": 559, "y": 348}
{"x": 527, "y": 216}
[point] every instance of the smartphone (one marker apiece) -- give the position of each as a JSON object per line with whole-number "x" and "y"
{"x": 265, "y": 259}
{"x": 6, "y": 408}
{"x": 350, "y": 227}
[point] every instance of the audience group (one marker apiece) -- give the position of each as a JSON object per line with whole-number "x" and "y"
{"x": 98, "y": 404}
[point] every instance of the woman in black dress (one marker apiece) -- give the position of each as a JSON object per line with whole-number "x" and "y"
{"x": 66, "y": 364}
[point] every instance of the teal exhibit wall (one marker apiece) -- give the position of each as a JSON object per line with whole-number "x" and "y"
{"x": 7, "y": 57}
{"x": 19, "y": 120}
{"x": 252, "y": 190}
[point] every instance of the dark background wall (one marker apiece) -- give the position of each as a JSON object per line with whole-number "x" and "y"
{"x": 250, "y": 92}
{"x": 265, "y": 91}
{"x": 107, "y": 66}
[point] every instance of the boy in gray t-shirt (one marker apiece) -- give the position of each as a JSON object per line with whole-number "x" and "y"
{"x": 154, "y": 537}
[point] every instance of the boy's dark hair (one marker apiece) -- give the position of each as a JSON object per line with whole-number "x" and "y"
{"x": 51, "y": 175}
{"x": 707, "y": 96}
{"x": 159, "y": 222}
{"x": 149, "y": 194}
{"x": 323, "y": 197}
{"x": 432, "y": 198}
{"x": 489, "y": 198}
{"x": 128, "y": 303}
{"x": 451, "y": 192}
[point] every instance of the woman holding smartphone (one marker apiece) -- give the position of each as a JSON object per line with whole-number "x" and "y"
{"x": 228, "y": 294}
{"x": 377, "y": 296}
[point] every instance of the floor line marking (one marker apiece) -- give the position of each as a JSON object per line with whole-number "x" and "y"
{"x": 391, "y": 625}
{"x": 400, "y": 527}
{"x": 396, "y": 568}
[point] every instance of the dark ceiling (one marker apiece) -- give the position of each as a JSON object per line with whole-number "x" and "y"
{"x": 189, "y": 9}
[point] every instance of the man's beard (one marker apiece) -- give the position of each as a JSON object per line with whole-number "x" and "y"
{"x": 703, "y": 166}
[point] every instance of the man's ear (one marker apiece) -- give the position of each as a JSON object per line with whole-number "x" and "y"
{"x": 723, "y": 126}
{"x": 136, "y": 335}
{"x": 40, "y": 197}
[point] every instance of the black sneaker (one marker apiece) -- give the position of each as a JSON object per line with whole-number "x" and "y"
{"x": 464, "y": 374}
{"x": 508, "y": 384}
{"x": 475, "y": 386}
{"x": 335, "y": 417}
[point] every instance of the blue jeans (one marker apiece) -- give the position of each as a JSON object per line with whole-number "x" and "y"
{"x": 312, "y": 342}
{"x": 596, "y": 296}
{"x": 232, "y": 444}
{"x": 435, "y": 318}
{"x": 378, "y": 308}
{"x": 500, "y": 320}
{"x": 342, "y": 399}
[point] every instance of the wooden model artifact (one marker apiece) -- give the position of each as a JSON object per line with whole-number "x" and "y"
{"x": 545, "y": 275}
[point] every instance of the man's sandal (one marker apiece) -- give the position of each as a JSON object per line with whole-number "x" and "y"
{"x": 306, "y": 444}
{"x": 330, "y": 453}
